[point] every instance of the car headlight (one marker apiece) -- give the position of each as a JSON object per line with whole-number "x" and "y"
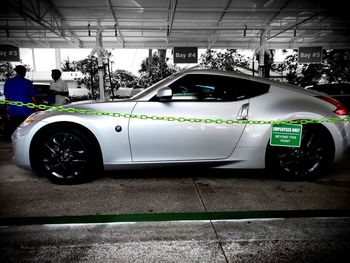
{"x": 31, "y": 118}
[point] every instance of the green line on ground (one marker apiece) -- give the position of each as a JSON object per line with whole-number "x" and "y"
{"x": 85, "y": 219}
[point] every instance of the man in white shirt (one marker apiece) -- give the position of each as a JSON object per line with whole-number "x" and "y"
{"x": 58, "y": 87}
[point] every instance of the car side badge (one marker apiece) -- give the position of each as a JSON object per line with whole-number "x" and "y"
{"x": 118, "y": 128}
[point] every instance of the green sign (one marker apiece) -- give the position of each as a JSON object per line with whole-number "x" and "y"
{"x": 286, "y": 135}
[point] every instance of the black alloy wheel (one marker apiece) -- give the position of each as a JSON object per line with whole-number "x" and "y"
{"x": 300, "y": 163}
{"x": 65, "y": 156}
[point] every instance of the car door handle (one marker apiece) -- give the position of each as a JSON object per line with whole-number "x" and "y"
{"x": 243, "y": 112}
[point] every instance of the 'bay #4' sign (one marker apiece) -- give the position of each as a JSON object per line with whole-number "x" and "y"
{"x": 185, "y": 54}
{"x": 286, "y": 135}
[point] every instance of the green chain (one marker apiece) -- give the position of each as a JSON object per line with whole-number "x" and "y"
{"x": 170, "y": 119}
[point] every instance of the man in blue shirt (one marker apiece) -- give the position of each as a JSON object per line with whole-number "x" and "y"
{"x": 18, "y": 89}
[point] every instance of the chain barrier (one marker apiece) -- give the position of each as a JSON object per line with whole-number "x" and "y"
{"x": 170, "y": 119}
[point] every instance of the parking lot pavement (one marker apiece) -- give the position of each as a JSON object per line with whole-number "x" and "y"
{"x": 155, "y": 216}
{"x": 24, "y": 194}
{"x": 258, "y": 240}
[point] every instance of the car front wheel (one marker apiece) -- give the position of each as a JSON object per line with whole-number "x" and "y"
{"x": 65, "y": 156}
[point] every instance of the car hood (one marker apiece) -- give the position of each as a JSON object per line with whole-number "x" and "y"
{"x": 119, "y": 106}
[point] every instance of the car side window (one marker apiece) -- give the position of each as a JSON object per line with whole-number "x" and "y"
{"x": 199, "y": 87}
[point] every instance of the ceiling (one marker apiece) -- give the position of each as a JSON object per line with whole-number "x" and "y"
{"x": 168, "y": 23}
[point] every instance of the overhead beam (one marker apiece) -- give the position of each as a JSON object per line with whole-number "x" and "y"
{"x": 171, "y": 15}
{"x": 60, "y": 20}
{"x": 34, "y": 15}
{"x": 120, "y": 35}
{"x": 189, "y": 38}
{"x": 295, "y": 25}
{"x": 196, "y": 9}
{"x": 228, "y": 3}
{"x": 278, "y": 12}
{"x": 179, "y": 28}
{"x": 162, "y": 25}
{"x": 212, "y": 41}
{"x": 202, "y": 44}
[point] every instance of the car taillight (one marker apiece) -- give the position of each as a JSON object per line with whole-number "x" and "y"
{"x": 340, "y": 110}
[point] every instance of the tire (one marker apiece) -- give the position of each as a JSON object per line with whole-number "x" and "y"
{"x": 306, "y": 162}
{"x": 65, "y": 156}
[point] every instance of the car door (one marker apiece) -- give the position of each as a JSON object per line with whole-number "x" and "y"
{"x": 194, "y": 96}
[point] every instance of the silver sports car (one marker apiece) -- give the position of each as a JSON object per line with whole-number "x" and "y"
{"x": 213, "y": 118}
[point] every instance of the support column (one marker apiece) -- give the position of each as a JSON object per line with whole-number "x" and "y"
{"x": 262, "y": 49}
{"x": 253, "y": 65}
{"x": 100, "y": 60}
{"x": 150, "y": 58}
{"x": 101, "y": 72}
{"x": 33, "y": 57}
{"x": 58, "y": 58}
{"x": 99, "y": 50}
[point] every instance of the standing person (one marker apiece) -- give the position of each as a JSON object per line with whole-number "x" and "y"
{"x": 58, "y": 87}
{"x": 18, "y": 89}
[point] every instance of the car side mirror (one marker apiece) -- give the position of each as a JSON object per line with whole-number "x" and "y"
{"x": 165, "y": 94}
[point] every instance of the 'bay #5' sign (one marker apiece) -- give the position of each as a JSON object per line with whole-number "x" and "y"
{"x": 185, "y": 54}
{"x": 310, "y": 55}
{"x": 9, "y": 53}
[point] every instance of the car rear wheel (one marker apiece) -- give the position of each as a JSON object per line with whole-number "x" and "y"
{"x": 306, "y": 162}
{"x": 65, "y": 156}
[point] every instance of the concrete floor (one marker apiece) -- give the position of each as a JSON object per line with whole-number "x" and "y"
{"x": 24, "y": 194}
{"x": 323, "y": 238}
{"x": 273, "y": 240}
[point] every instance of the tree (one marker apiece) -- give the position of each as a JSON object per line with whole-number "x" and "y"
{"x": 89, "y": 68}
{"x": 113, "y": 80}
{"x": 229, "y": 60}
{"x": 155, "y": 69}
{"x": 6, "y": 71}
{"x": 299, "y": 74}
{"x": 67, "y": 65}
{"x": 335, "y": 67}
{"x": 122, "y": 78}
